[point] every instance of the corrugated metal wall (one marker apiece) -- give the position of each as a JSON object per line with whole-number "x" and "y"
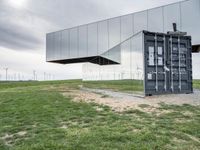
{"x": 168, "y": 63}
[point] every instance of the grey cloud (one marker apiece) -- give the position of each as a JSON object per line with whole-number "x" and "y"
{"x": 15, "y": 37}
{"x": 25, "y": 29}
{"x": 13, "y": 34}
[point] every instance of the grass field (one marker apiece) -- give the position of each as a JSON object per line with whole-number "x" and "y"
{"x": 36, "y": 116}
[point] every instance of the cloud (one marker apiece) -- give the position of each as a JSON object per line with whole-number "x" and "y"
{"x": 25, "y": 28}
{"x": 17, "y": 38}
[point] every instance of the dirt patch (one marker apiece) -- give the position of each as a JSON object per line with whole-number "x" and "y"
{"x": 180, "y": 141}
{"x": 88, "y": 97}
{"x": 193, "y": 138}
{"x": 10, "y": 138}
{"x": 63, "y": 127}
{"x": 22, "y": 133}
{"x": 123, "y": 101}
{"x": 7, "y": 136}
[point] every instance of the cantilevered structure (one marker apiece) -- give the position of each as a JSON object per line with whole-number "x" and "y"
{"x": 100, "y": 45}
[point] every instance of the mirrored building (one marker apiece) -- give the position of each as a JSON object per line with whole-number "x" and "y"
{"x": 111, "y": 49}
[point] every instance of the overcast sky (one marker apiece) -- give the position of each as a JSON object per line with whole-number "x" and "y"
{"x": 24, "y": 24}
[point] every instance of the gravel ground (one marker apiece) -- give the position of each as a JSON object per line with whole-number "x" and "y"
{"x": 119, "y": 101}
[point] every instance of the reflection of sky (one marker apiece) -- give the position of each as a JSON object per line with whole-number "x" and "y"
{"x": 196, "y": 65}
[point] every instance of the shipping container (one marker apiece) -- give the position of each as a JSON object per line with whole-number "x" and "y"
{"x": 168, "y": 63}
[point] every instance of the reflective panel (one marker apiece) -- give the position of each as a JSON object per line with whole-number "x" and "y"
{"x": 137, "y": 62}
{"x": 114, "y": 32}
{"x": 171, "y": 15}
{"x": 65, "y": 44}
{"x": 140, "y": 21}
{"x": 92, "y": 39}
{"x": 155, "y": 20}
{"x": 73, "y": 42}
{"x": 57, "y": 46}
{"x": 126, "y": 59}
{"x": 48, "y": 47}
{"x": 190, "y": 18}
{"x": 126, "y": 27}
{"x": 113, "y": 54}
{"x": 53, "y": 51}
{"x": 97, "y": 41}
{"x": 102, "y": 36}
{"x": 195, "y": 65}
{"x": 83, "y": 41}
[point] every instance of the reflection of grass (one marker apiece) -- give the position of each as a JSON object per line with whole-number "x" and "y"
{"x": 51, "y": 121}
{"x": 118, "y": 85}
{"x": 196, "y": 84}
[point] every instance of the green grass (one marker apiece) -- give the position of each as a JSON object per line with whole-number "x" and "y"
{"x": 5, "y": 85}
{"x": 117, "y": 85}
{"x": 196, "y": 84}
{"x": 51, "y": 121}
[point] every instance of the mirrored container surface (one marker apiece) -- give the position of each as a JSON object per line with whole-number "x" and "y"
{"x": 115, "y": 49}
{"x": 83, "y": 43}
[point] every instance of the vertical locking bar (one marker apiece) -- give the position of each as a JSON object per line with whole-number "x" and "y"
{"x": 172, "y": 73}
{"x": 179, "y": 70}
{"x": 156, "y": 55}
{"x": 165, "y": 59}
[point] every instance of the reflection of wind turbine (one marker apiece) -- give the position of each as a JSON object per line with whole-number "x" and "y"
{"x": 139, "y": 71}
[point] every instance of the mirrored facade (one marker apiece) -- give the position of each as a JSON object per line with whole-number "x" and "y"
{"x": 111, "y": 49}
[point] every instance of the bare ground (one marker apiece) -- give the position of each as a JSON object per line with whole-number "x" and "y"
{"x": 122, "y": 101}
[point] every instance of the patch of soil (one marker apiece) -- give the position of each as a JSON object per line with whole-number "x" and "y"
{"x": 122, "y": 101}
{"x": 88, "y": 97}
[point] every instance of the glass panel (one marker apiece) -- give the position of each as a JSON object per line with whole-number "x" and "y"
{"x": 114, "y": 32}
{"x": 103, "y": 36}
{"x": 195, "y": 65}
{"x": 48, "y": 47}
{"x": 171, "y": 15}
{"x": 90, "y": 72}
{"x": 113, "y": 54}
{"x": 92, "y": 39}
{"x": 126, "y": 27}
{"x": 57, "y": 36}
{"x": 140, "y": 21}
{"x": 83, "y": 41}
{"x": 137, "y": 65}
{"x": 191, "y": 19}
{"x": 73, "y": 43}
{"x": 126, "y": 59}
{"x": 53, "y": 46}
{"x": 155, "y": 20}
{"x": 65, "y": 44}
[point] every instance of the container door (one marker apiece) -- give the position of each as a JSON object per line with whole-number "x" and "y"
{"x": 156, "y": 72}
{"x": 179, "y": 63}
{"x": 167, "y": 64}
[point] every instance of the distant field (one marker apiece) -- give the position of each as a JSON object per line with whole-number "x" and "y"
{"x": 118, "y": 85}
{"x": 36, "y": 116}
